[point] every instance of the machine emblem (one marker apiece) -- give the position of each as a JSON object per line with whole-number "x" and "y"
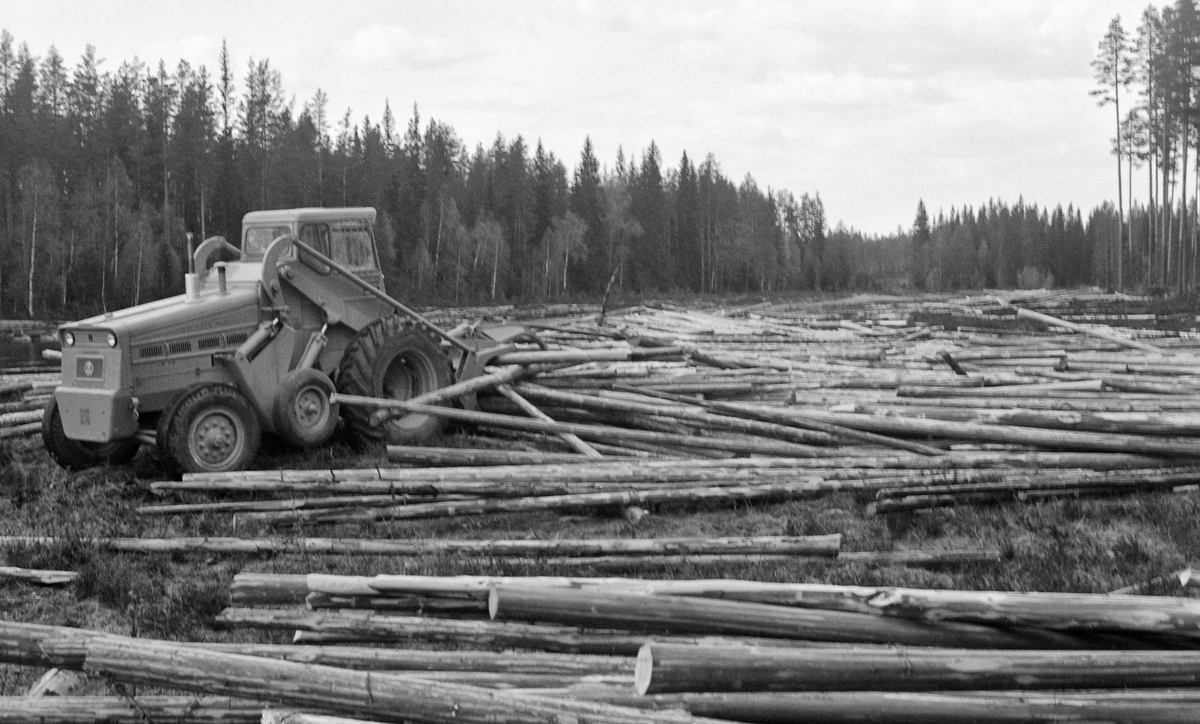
{"x": 90, "y": 368}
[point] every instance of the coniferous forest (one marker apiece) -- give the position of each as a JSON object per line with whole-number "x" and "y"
{"x": 105, "y": 168}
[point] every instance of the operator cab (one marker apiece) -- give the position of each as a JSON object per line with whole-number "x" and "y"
{"x": 344, "y": 235}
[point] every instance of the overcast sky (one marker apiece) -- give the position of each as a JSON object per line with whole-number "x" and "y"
{"x": 871, "y": 104}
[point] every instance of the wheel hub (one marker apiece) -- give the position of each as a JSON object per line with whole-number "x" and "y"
{"x": 310, "y": 407}
{"x": 215, "y": 438}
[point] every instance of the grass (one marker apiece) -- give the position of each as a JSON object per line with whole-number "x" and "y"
{"x": 1092, "y": 545}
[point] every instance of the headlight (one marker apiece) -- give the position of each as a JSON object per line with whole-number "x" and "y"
{"x": 112, "y": 339}
{"x": 68, "y": 339}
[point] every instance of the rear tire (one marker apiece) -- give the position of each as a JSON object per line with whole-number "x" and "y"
{"x": 211, "y": 429}
{"x": 304, "y": 416}
{"x": 396, "y": 360}
{"x": 77, "y": 454}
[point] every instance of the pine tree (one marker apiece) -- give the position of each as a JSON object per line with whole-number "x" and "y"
{"x": 1113, "y": 68}
{"x": 588, "y": 206}
{"x": 687, "y": 225}
{"x": 920, "y": 247}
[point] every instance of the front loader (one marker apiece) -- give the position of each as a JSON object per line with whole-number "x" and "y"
{"x": 262, "y": 336}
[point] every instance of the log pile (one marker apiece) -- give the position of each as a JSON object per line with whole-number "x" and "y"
{"x": 23, "y": 395}
{"x": 626, "y": 650}
{"x": 862, "y": 394}
{"x": 909, "y": 404}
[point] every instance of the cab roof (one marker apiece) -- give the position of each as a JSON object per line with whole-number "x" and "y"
{"x": 312, "y": 213}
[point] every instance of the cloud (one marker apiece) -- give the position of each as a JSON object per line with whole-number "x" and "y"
{"x": 195, "y": 49}
{"x": 378, "y": 44}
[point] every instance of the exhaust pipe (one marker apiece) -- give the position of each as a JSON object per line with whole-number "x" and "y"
{"x": 191, "y": 280}
{"x": 191, "y": 286}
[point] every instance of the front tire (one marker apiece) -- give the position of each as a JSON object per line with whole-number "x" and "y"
{"x": 212, "y": 429}
{"x": 304, "y": 416}
{"x": 396, "y": 360}
{"x": 77, "y": 454}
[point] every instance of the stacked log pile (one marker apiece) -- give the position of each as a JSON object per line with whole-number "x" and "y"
{"x": 23, "y": 395}
{"x": 625, "y": 650}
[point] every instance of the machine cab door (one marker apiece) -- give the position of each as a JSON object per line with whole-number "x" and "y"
{"x": 349, "y": 243}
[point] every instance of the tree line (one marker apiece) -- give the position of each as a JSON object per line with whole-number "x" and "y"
{"x": 1151, "y": 78}
{"x": 104, "y": 172}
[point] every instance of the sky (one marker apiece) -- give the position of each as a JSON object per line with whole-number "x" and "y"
{"x": 871, "y": 104}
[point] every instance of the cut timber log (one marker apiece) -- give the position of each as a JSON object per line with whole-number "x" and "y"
{"x": 404, "y": 605}
{"x": 1054, "y": 611}
{"x": 389, "y": 697}
{"x": 367, "y": 626}
{"x": 1149, "y": 706}
{"x": 678, "y": 615}
{"x": 1088, "y": 330}
{"x": 573, "y": 440}
{"x": 766, "y": 415}
{"x": 807, "y": 487}
{"x": 818, "y": 545}
{"x": 287, "y": 716}
{"x": 580, "y": 356}
{"x": 57, "y": 682}
{"x": 1004, "y": 390}
{"x": 44, "y": 578}
{"x": 449, "y": 456}
{"x": 686, "y": 414}
{"x": 469, "y": 387}
{"x": 475, "y": 384}
{"x": 1021, "y": 488}
{"x": 62, "y": 647}
{"x": 1055, "y": 439}
{"x": 659, "y": 471}
{"x": 29, "y": 428}
{"x": 603, "y": 433}
{"x": 397, "y": 497}
{"x": 664, "y": 668}
{"x": 124, "y": 710}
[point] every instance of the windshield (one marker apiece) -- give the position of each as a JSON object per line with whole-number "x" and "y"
{"x": 258, "y": 238}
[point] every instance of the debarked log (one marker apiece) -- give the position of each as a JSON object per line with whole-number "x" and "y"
{"x": 341, "y": 691}
{"x": 124, "y": 710}
{"x": 785, "y": 491}
{"x": 663, "y": 668}
{"x": 681, "y": 615}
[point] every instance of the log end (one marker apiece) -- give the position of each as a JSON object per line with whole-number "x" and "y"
{"x": 643, "y": 669}
{"x": 493, "y": 602}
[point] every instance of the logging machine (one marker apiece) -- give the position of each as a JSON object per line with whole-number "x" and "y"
{"x": 259, "y": 340}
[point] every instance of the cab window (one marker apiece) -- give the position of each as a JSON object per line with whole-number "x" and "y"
{"x": 316, "y": 236}
{"x": 351, "y": 244}
{"x": 258, "y": 238}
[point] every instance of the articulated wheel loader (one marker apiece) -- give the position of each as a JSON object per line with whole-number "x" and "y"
{"x": 259, "y": 340}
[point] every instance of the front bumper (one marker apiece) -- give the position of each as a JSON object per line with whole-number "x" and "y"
{"x": 92, "y": 415}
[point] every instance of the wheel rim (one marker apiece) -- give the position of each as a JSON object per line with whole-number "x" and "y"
{"x": 406, "y": 377}
{"x": 311, "y": 408}
{"x": 215, "y": 438}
